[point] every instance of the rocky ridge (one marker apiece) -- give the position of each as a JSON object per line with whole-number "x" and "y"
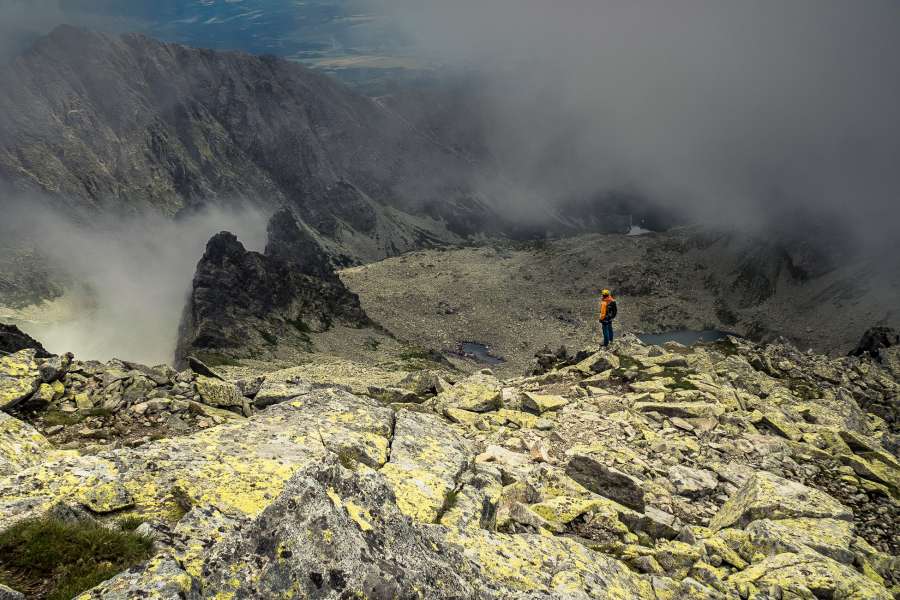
{"x": 729, "y": 470}
{"x": 100, "y": 122}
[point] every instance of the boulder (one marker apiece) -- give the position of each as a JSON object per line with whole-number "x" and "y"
{"x": 598, "y": 362}
{"x": 692, "y": 482}
{"x": 337, "y": 533}
{"x": 356, "y": 429}
{"x": 504, "y": 457}
{"x": 476, "y": 393}
{"x": 238, "y": 467}
{"x": 808, "y": 574}
{"x": 200, "y": 368}
{"x": 685, "y": 410}
{"x": 161, "y": 578}
{"x": 767, "y": 496}
{"x": 421, "y": 383}
{"x": 218, "y": 393}
{"x": 7, "y": 593}
{"x": 830, "y": 537}
{"x": 541, "y": 403}
{"x": 54, "y": 367}
{"x": 425, "y": 461}
{"x": 607, "y": 481}
{"x": 394, "y": 395}
{"x": 532, "y": 566}
{"x": 21, "y": 446}
{"x": 476, "y": 501}
{"x": 462, "y": 417}
{"x": 42, "y": 398}
{"x": 19, "y": 378}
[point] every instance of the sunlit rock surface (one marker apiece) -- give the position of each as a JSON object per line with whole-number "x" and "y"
{"x": 727, "y": 470}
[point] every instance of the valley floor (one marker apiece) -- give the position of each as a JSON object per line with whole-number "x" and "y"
{"x": 515, "y": 298}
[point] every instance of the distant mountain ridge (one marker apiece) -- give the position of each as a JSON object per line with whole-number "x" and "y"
{"x": 97, "y": 121}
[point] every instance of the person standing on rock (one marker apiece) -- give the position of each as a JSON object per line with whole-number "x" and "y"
{"x": 608, "y": 312}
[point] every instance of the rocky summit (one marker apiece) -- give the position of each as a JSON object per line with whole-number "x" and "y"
{"x": 727, "y": 470}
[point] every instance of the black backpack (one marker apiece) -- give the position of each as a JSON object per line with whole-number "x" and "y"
{"x": 611, "y": 310}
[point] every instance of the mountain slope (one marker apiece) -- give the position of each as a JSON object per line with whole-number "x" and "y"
{"x": 101, "y": 122}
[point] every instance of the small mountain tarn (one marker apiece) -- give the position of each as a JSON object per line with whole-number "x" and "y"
{"x": 479, "y": 353}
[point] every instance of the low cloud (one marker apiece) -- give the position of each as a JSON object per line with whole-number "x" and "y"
{"x": 127, "y": 277}
{"x": 23, "y": 21}
{"x": 751, "y": 114}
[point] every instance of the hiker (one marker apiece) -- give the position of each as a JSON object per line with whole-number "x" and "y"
{"x": 608, "y": 312}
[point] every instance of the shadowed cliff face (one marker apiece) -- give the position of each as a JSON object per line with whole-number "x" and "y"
{"x": 245, "y": 304}
{"x": 100, "y": 121}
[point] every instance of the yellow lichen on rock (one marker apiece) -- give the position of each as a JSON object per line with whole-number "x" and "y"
{"x": 541, "y": 403}
{"x": 532, "y": 563}
{"x": 21, "y": 445}
{"x": 809, "y": 574}
{"x": 359, "y": 514}
{"x": 19, "y": 377}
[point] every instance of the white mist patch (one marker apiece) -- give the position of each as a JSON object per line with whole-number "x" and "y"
{"x": 131, "y": 281}
{"x": 638, "y": 230}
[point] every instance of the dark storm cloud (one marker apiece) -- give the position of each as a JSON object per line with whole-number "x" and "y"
{"x": 744, "y": 112}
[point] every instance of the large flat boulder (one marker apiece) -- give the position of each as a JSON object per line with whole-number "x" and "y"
{"x": 767, "y": 496}
{"x": 831, "y": 537}
{"x": 218, "y": 393}
{"x": 476, "y": 393}
{"x": 810, "y": 575}
{"x": 427, "y": 459}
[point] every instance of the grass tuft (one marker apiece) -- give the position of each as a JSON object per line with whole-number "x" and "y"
{"x": 130, "y": 523}
{"x": 49, "y": 559}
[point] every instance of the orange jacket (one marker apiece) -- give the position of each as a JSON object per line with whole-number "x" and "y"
{"x": 604, "y": 304}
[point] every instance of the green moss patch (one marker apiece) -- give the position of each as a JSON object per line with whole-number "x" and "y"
{"x": 52, "y": 560}
{"x": 57, "y": 417}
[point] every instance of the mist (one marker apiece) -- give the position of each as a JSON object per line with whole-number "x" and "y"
{"x": 127, "y": 278}
{"x": 23, "y": 21}
{"x": 742, "y": 114}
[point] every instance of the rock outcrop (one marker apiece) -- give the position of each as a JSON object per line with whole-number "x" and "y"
{"x": 875, "y": 340}
{"x": 768, "y": 481}
{"x": 13, "y": 339}
{"x": 250, "y": 305}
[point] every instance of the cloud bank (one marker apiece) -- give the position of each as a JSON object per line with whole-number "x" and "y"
{"x": 750, "y": 114}
{"x": 127, "y": 277}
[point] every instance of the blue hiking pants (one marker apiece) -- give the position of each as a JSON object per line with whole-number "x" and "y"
{"x": 607, "y": 332}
